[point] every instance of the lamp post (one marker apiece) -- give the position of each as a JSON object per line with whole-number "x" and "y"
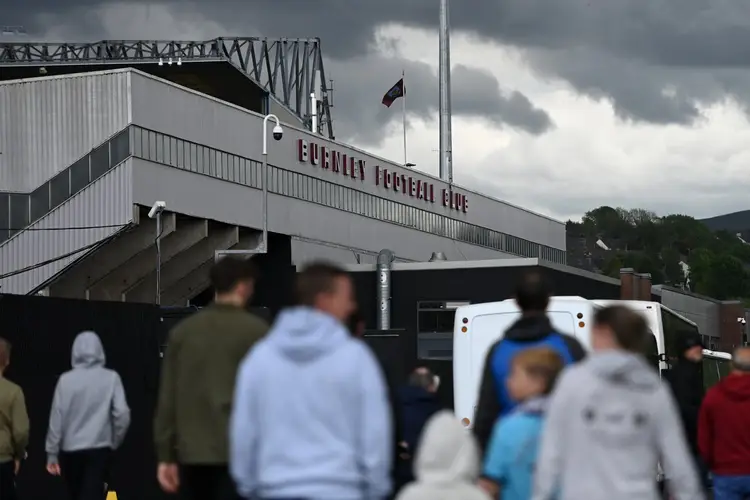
{"x": 155, "y": 213}
{"x": 278, "y": 133}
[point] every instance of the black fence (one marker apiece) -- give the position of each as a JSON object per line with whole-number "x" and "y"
{"x": 42, "y": 331}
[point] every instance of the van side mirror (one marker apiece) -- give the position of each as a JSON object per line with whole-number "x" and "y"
{"x": 664, "y": 373}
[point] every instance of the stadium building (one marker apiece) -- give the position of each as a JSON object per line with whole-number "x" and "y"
{"x": 91, "y": 135}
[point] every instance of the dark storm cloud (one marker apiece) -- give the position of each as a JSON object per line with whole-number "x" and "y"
{"x": 359, "y": 82}
{"x": 633, "y": 49}
{"x": 360, "y": 85}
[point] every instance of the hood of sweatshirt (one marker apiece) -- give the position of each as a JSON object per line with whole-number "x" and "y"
{"x": 735, "y": 387}
{"x": 303, "y": 334}
{"x": 530, "y": 328}
{"x": 447, "y": 452}
{"x": 87, "y": 351}
{"x": 624, "y": 368}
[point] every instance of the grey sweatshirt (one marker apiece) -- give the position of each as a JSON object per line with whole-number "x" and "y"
{"x": 447, "y": 463}
{"x": 89, "y": 409}
{"x": 609, "y": 423}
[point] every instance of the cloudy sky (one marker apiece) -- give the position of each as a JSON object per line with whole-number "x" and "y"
{"x": 559, "y": 105}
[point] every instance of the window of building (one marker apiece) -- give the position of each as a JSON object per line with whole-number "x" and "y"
{"x": 4, "y": 216}
{"x": 39, "y": 202}
{"x": 79, "y": 175}
{"x": 119, "y": 148}
{"x": 19, "y": 212}
{"x": 59, "y": 188}
{"x": 100, "y": 164}
{"x": 435, "y": 329}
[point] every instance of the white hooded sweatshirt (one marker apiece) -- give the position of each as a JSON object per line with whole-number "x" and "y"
{"x": 447, "y": 463}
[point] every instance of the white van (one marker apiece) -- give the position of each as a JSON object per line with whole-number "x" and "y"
{"x": 478, "y": 326}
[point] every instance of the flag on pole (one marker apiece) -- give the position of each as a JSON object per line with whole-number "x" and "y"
{"x": 398, "y": 90}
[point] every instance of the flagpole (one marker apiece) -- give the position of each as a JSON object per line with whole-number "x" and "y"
{"x": 403, "y": 113}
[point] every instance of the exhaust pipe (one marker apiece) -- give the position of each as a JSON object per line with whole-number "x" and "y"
{"x": 385, "y": 259}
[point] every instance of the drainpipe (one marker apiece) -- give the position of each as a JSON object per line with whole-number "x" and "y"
{"x": 385, "y": 258}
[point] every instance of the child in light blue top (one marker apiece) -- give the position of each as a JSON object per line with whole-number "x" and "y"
{"x": 512, "y": 450}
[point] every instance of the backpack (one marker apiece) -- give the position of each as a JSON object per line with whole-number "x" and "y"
{"x": 504, "y": 352}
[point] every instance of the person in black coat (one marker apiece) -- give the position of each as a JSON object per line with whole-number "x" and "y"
{"x": 418, "y": 402}
{"x": 686, "y": 380}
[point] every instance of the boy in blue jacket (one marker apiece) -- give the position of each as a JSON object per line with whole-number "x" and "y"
{"x": 512, "y": 450}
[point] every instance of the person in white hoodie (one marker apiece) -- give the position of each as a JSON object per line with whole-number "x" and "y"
{"x": 88, "y": 420}
{"x": 447, "y": 465}
{"x": 611, "y": 421}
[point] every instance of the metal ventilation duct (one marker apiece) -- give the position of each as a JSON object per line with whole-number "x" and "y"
{"x": 385, "y": 259}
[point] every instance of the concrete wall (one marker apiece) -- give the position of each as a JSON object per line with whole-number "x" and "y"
{"x": 48, "y": 123}
{"x": 202, "y": 196}
{"x": 163, "y": 107}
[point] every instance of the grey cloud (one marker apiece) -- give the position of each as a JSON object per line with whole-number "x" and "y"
{"x": 360, "y": 82}
{"x": 659, "y": 42}
{"x": 476, "y": 93}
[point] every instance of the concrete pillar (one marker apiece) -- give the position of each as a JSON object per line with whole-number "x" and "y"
{"x": 112, "y": 285}
{"x": 114, "y": 254}
{"x": 219, "y": 237}
{"x": 627, "y": 276}
{"x": 195, "y": 281}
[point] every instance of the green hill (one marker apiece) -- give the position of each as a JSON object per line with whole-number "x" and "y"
{"x": 717, "y": 260}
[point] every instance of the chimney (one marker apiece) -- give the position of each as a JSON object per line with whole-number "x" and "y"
{"x": 627, "y": 276}
{"x": 644, "y": 286}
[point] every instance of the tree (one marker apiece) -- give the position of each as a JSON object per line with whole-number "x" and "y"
{"x": 721, "y": 276}
{"x": 640, "y": 239}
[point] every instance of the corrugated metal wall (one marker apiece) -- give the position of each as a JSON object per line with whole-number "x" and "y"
{"x": 704, "y": 313}
{"x": 48, "y": 123}
{"x": 108, "y": 201}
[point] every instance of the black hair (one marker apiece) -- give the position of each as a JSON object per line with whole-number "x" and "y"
{"x": 316, "y": 279}
{"x": 533, "y": 292}
{"x": 230, "y": 271}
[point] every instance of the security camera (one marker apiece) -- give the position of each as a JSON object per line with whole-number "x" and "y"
{"x": 158, "y": 208}
{"x": 278, "y": 132}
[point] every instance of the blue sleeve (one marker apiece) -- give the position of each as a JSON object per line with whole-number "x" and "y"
{"x": 375, "y": 427}
{"x": 499, "y": 453}
{"x": 243, "y": 436}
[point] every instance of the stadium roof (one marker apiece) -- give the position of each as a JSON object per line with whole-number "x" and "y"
{"x": 237, "y": 70}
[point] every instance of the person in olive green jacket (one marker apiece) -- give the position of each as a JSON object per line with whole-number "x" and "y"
{"x": 198, "y": 374}
{"x": 14, "y": 427}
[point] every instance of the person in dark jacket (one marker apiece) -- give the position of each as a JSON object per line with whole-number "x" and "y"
{"x": 418, "y": 403}
{"x": 533, "y": 329}
{"x": 686, "y": 380}
{"x": 197, "y": 386}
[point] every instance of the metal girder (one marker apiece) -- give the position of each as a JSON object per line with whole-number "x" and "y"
{"x": 287, "y": 68}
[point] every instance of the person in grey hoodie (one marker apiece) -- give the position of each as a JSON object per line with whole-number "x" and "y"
{"x": 447, "y": 463}
{"x": 88, "y": 420}
{"x": 611, "y": 421}
{"x": 311, "y": 418}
